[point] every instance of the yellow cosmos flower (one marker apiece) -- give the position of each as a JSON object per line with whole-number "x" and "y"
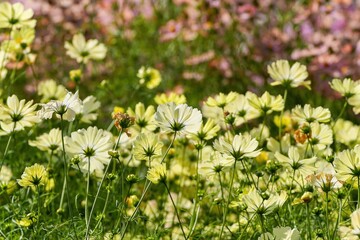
{"x": 294, "y": 76}
{"x": 33, "y": 176}
{"x": 149, "y": 76}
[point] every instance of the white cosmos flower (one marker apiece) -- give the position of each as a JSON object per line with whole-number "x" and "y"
{"x": 90, "y": 144}
{"x": 282, "y": 74}
{"x": 15, "y": 16}
{"x": 87, "y": 112}
{"x": 181, "y": 119}
{"x": 17, "y": 114}
{"x": 241, "y": 146}
{"x": 83, "y": 50}
{"x": 310, "y": 114}
{"x": 48, "y": 141}
{"x": 66, "y": 108}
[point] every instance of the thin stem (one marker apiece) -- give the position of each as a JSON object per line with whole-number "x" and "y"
{"x": 103, "y": 211}
{"x": 101, "y": 183}
{"x": 176, "y": 211}
{"x": 281, "y": 117}
{"x": 262, "y": 129}
{"x": 86, "y": 199}
{"x": 327, "y": 216}
{"x": 229, "y": 199}
{"x": 338, "y": 219}
{"x": 308, "y": 222}
{"x": 145, "y": 191}
{"x": 65, "y": 176}
{"x": 246, "y": 226}
{"x": 38, "y": 205}
{"x": 358, "y": 197}
{"x": 7, "y": 146}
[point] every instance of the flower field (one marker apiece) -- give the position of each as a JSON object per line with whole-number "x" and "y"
{"x": 179, "y": 120}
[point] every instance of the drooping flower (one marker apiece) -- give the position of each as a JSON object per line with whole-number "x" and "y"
{"x": 48, "y": 141}
{"x": 66, "y": 108}
{"x": 50, "y": 90}
{"x": 149, "y": 76}
{"x": 15, "y": 115}
{"x": 33, "y": 176}
{"x": 294, "y": 76}
{"x": 147, "y": 147}
{"x": 91, "y": 144}
{"x": 346, "y": 132}
{"x": 266, "y": 104}
{"x": 241, "y": 146}
{"x": 324, "y": 178}
{"x": 15, "y": 16}
{"x": 157, "y": 174}
{"x": 181, "y": 119}
{"x": 83, "y": 51}
{"x": 309, "y": 114}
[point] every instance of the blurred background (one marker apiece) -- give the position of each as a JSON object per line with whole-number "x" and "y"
{"x": 200, "y": 47}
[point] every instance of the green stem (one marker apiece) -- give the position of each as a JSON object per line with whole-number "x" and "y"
{"x": 145, "y": 191}
{"x": 229, "y": 199}
{"x": 262, "y": 129}
{"x": 176, "y": 211}
{"x": 308, "y": 222}
{"x": 65, "y": 176}
{"x": 338, "y": 219}
{"x": 101, "y": 183}
{"x": 281, "y": 116}
{"x": 103, "y": 211}
{"x": 358, "y": 197}
{"x": 86, "y": 200}
{"x": 7, "y": 146}
{"x": 327, "y": 216}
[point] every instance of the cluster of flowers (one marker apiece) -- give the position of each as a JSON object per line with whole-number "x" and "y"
{"x": 249, "y": 165}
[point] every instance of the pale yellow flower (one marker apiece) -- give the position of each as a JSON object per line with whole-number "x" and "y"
{"x": 346, "y": 132}
{"x": 48, "y": 141}
{"x": 157, "y": 174}
{"x": 347, "y": 87}
{"x": 310, "y": 114}
{"x": 207, "y": 131}
{"x": 147, "y": 147}
{"x": 149, "y": 76}
{"x": 266, "y": 104}
{"x": 294, "y": 76}
{"x": 241, "y": 146}
{"x": 92, "y": 146}
{"x": 50, "y": 90}
{"x": 321, "y": 135}
{"x": 221, "y": 99}
{"x": 305, "y": 166}
{"x": 181, "y": 119}
{"x": 15, "y": 115}
{"x": 15, "y": 16}
{"x": 216, "y": 164}
{"x": 144, "y": 118}
{"x": 87, "y": 112}
{"x": 241, "y": 109}
{"x": 33, "y": 176}
{"x": 281, "y": 233}
{"x": 66, "y": 108}
{"x": 347, "y": 163}
{"x": 83, "y": 50}
{"x": 170, "y": 97}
